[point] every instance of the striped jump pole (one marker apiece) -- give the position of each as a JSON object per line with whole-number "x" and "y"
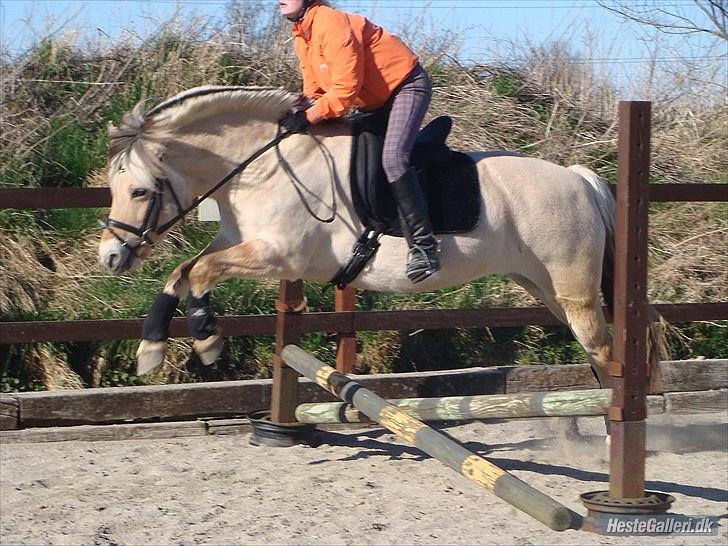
{"x": 583, "y": 403}
{"x": 506, "y": 486}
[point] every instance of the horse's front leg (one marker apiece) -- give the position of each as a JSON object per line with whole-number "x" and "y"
{"x": 248, "y": 259}
{"x": 202, "y": 325}
{"x": 155, "y": 331}
{"x": 196, "y": 278}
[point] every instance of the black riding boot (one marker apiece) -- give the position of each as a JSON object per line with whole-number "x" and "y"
{"x": 416, "y": 227}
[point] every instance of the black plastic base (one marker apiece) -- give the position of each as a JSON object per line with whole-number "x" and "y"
{"x": 267, "y": 433}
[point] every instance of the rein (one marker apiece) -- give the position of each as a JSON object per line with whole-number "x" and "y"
{"x": 151, "y": 217}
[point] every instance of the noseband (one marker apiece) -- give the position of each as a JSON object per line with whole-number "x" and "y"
{"x": 151, "y": 216}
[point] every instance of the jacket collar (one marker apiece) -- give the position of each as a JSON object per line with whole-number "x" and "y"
{"x": 303, "y": 27}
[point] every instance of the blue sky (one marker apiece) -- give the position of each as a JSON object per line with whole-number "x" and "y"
{"x": 483, "y": 26}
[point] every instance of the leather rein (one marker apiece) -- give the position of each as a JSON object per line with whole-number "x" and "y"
{"x": 150, "y": 224}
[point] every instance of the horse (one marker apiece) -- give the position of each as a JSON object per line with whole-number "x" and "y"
{"x": 287, "y": 213}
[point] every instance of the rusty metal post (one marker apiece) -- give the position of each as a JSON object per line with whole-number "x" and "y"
{"x": 284, "y": 395}
{"x": 345, "y": 300}
{"x": 628, "y": 369}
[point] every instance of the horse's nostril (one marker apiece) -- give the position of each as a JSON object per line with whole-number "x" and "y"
{"x": 111, "y": 260}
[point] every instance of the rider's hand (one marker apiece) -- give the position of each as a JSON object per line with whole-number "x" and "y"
{"x": 295, "y": 122}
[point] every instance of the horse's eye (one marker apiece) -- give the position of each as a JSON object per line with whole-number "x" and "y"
{"x": 139, "y": 192}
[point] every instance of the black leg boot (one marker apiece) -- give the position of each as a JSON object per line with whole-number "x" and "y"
{"x": 416, "y": 227}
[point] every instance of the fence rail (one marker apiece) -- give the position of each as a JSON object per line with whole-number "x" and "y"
{"x": 345, "y": 321}
{"x": 331, "y": 322}
{"x": 49, "y": 198}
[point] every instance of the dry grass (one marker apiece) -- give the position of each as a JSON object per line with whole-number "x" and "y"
{"x": 547, "y": 104}
{"x": 688, "y": 253}
{"x": 21, "y": 290}
{"x": 51, "y": 368}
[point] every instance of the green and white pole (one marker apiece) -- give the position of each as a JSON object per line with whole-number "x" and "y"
{"x": 582, "y": 403}
{"x": 506, "y": 486}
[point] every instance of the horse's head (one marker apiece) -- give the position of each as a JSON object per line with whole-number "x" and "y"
{"x": 150, "y": 194}
{"x": 144, "y": 204}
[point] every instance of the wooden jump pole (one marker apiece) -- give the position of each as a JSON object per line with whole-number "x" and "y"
{"x": 506, "y": 486}
{"x": 462, "y": 408}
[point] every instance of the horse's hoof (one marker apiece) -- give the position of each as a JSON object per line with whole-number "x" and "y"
{"x": 209, "y": 349}
{"x": 150, "y": 354}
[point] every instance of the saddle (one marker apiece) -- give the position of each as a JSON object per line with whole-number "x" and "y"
{"x": 449, "y": 178}
{"x": 449, "y": 181}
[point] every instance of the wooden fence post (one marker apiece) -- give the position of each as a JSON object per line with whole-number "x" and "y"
{"x": 284, "y": 394}
{"x": 345, "y": 300}
{"x": 628, "y": 411}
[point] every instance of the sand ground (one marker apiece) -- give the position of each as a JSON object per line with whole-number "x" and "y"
{"x": 357, "y": 487}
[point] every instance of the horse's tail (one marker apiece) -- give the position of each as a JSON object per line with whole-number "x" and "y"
{"x": 606, "y": 205}
{"x": 657, "y": 347}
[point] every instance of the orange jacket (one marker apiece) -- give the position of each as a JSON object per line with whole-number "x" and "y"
{"x": 347, "y": 61}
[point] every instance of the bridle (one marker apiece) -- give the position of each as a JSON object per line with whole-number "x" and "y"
{"x": 150, "y": 225}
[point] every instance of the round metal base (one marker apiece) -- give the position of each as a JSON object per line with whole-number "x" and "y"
{"x": 600, "y": 502}
{"x": 267, "y": 433}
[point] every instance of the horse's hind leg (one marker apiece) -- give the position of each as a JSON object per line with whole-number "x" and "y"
{"x": 586, "y": 320}
{"x": 566, "y": 428}
{"x": 541, "y": 295}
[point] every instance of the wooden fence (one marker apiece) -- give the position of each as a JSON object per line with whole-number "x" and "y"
{"x": 70, "y": 198}
{"x": 345, "y": 321}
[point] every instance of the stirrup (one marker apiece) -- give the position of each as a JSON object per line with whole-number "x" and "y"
{"x": 422, "y": 264}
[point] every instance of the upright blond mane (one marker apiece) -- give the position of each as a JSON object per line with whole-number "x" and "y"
{"x": 139, "y": 127}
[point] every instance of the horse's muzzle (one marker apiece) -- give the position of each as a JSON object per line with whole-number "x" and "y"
{"x": 116, "y": 257}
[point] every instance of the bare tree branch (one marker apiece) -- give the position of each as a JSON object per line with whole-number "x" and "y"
{"x": 717, "y": 12}
{"x": 671, "y": 19}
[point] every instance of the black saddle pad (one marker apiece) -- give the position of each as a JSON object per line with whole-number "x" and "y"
{"x": 449, "y": 179}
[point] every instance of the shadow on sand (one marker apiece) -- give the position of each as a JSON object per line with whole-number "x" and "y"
{"x": 663, "y": 438}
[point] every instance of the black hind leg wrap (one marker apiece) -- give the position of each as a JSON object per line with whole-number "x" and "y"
{"x": 156, "y": 325}
{"x": 201, "y": 321}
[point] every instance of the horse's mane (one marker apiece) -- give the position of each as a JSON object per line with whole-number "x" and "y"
{"x": 140, "y": 126}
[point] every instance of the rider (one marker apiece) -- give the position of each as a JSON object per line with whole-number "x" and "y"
{"x": 347, "y": 61}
